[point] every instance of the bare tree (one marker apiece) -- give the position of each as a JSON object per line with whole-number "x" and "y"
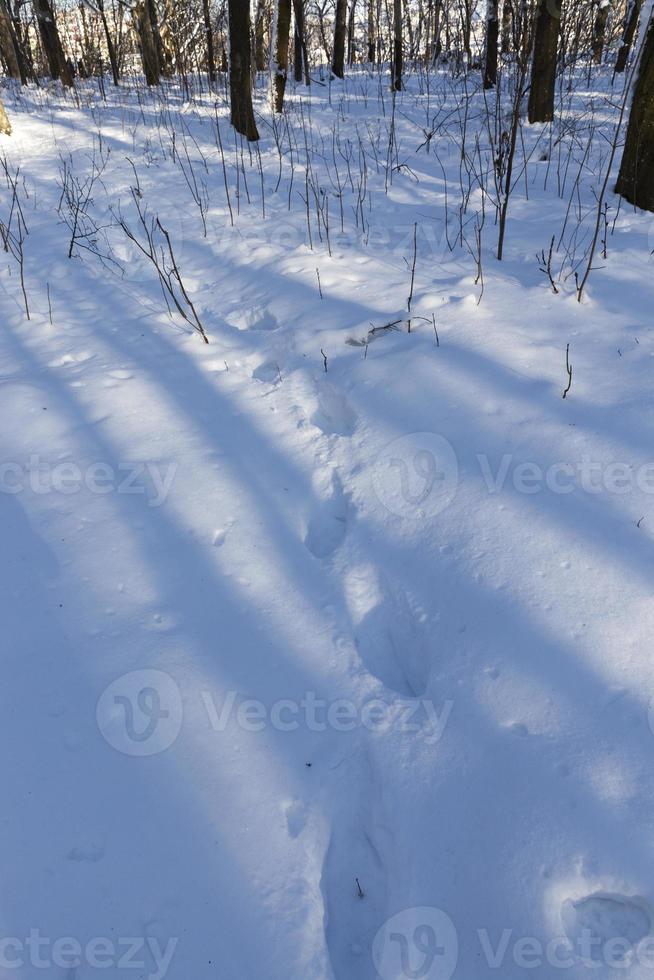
{"x": 240, "y": 69}
{"x": 599, "y": 29}
{"x": 8, "y": 46}
{"x": 398, "y": 47}
{"x": 492, "y": 34}
{"x": 282, "y": 30}
{"x": 208, "y": 33}
{"x": 51, "y": 41}
{"x": 631, "y": 24}
{"x": 142, "y": 20}
{"x": 340, "y": 27}
{"x": 543, "y": 72}
{"x": 636, "y": 178}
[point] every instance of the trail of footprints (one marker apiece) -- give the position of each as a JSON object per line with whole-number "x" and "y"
{"x": 390, "y": 634}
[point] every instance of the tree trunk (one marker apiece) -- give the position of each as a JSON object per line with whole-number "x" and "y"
{"x": 599, "y": 30}
{"x": 52, "y": 42}
{"x": 5, "y": 125}
{"x": 8, "y": 44}
{"x": 350, "y": 34}
{"x": 631, "y": 24}
{"x": 397, "y": 63}
{"x": 300, "y": 52}
{"x": 149, "y": 55}
{"x": 280, "y": 48}
{"x": 492, "y": 34}
{"x": 507, "y": 27}
{"x": 111, "y": 47}
{"x": 371, "y": 31}
{"x": 240, "y": 69}
{"x": 260, "y": 36}
{"x": 636, "y": 178}
{"x": 338, "y": 55}
{"x": 436, "y": 35}
{"x": 208, "y": 33}
{"x": 543, "y": 72}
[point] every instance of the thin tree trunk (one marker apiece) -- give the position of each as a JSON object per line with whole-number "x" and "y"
{"x": 636, "y": 178}
{"x": 507, "y": 27}
{"x": 260, "y": 37}
{"x": 436, "y": 35}
{"x": 599, "y": 30}
{"x": 340, "y": 24}
{"x": 5, "y": 125}
{"x": 492, "y": 34}
{"x": 300, "y": 53}
{"x": 111, "y": 47}
{"x": 54, "y": 52}
{"x": 350, "y": 34}
{"x": 372, "y": 31}
{"x": 280, "y": 49}
{"x": 543, "y": 72}
{"x": 208, "y": 33}
{"x": 398, "y": 53}
{"x": 631, "y": 24}
{"x": 240, "y": 69}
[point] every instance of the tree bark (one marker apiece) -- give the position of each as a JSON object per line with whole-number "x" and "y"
{"x": 8, "y": 44}
{"x": 54, "y": 52}
{"x": 492, "y": 34}
{"x": 338, "y": 55}
{"x": 260, "y": 36}
{"x": 240, "y": 69}
{"x": 398, "y": 53}
{"x": 507, "y": 27}
{"x": 599, "y": 30}
{"x": 543, "y": 72}
{"x": 631, "y": 24}
{"x": 208, "y": 33}
{"x": 147, "y": 43}
{"x": 350, "y": 33}
{"x": 300, "y": 52}
{"x": 280, "y": 47}
{"x": 636, "y": 178}
{"x": 372, "y": 47}
{"x": 5, "y": 125}
{"x": 111, "y": 47}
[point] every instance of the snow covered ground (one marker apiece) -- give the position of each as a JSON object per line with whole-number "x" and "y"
{"x": 326, "y": 653}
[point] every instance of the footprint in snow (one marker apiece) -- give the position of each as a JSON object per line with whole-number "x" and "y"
{"x": 327, "y": 526}
{"x": 254, "y": 318}
{"x": 393, "y": 637}
{"x": 269, "y": 372}
{"x": 334, "y": 415}
{"x": 593, "y": 922}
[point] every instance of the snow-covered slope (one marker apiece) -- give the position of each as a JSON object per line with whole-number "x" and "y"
{"x": 322, "y": 658}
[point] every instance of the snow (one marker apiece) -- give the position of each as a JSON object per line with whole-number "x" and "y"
{"x": 325, "y": 674}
